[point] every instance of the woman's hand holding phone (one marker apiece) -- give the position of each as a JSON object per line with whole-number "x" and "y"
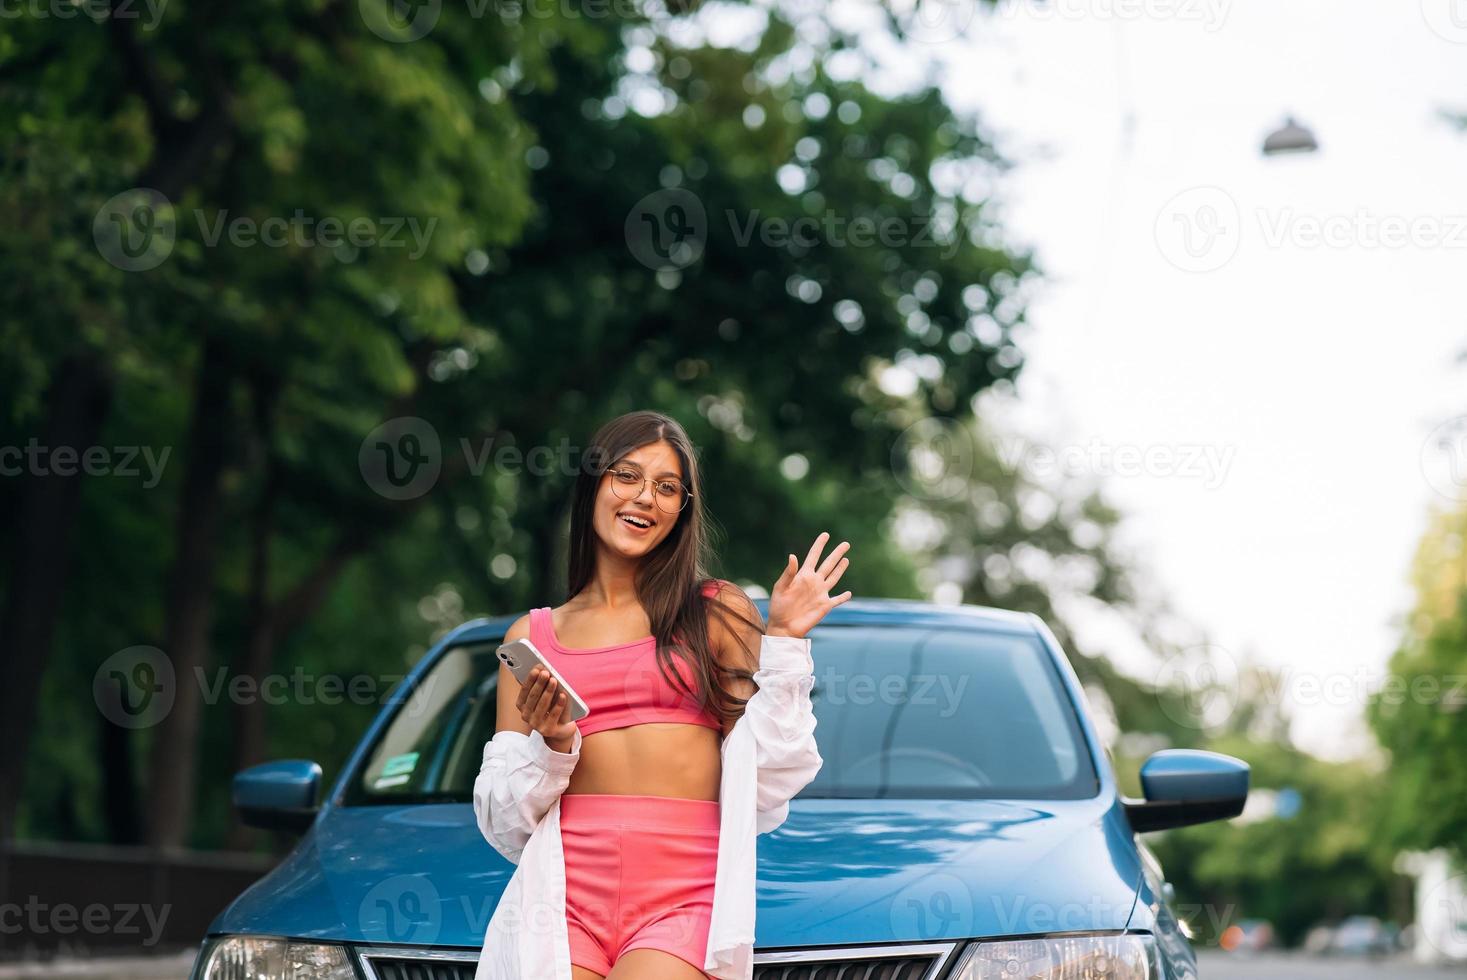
{"x": 546, "y": 709}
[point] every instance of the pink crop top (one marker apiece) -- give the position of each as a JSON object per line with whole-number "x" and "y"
{"x": 622, "y": 684}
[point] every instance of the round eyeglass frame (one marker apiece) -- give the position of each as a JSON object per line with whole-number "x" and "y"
{"x": 687, "y": 494}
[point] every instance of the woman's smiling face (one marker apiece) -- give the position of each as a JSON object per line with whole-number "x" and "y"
{"x": 634, "y": 527}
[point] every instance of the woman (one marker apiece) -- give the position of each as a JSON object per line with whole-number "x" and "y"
{"x": 633, "y": 828}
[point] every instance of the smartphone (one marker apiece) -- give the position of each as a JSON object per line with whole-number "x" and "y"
{"x": 521, "y": 656}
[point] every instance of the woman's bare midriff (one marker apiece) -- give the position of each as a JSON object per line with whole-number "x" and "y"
{"x": 654, "y": 759}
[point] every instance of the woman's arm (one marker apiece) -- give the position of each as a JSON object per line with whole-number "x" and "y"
{"x": 521, "y": 776}
{"x": 782, "y": 721}
{"x": 779, "y": 714}
{"x": 520, "y": 779}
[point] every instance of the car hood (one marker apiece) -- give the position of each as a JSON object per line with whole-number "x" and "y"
{"x": 837, "y": 871}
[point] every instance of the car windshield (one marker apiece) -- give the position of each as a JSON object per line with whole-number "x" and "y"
{"x": 901, "y": 712}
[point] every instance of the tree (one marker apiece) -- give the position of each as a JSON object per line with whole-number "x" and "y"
{"x": 527, "y": 317}
{"x": 1418, "y": 715}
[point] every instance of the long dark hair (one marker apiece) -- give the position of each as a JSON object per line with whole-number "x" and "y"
{"x": 670, "y": 579}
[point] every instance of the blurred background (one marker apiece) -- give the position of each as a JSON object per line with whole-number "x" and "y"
{"x": 1141, "y": 315}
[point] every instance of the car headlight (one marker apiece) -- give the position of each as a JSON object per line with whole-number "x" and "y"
{"x": 269, "y": 958}
{"x": 1105, "y": 957}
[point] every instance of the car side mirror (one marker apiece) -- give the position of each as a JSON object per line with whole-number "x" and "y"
{"x": 279, "y": 795}
{"x": 1188, "y": 786}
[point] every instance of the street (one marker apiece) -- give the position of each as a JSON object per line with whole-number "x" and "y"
{"x": 1221, "y": 966}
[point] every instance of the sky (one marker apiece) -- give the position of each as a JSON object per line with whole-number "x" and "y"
{"x": 1250, "y": 354}
{"x": 1272, "y": 339}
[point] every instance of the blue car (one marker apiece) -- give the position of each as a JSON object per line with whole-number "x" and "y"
{"x": 965, "y": 825}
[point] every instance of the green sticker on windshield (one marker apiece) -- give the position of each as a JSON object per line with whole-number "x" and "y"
{"x": 400, "y": 765}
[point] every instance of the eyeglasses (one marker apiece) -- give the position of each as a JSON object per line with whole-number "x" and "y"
{"x": 670, "y": 496}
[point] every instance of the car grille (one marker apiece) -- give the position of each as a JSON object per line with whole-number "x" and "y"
{"x": 904, "y": 962}
{"x": 898, "y": 968}
{"x": 408, "y": 967}
{"x": 913, "y": 961}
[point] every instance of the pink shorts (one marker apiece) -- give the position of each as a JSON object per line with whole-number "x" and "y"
{"x": 639, "y": 873}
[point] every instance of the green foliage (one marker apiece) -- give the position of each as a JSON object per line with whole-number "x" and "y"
{"x": 524, "y": 319}
{"x": 1418, "y": 717}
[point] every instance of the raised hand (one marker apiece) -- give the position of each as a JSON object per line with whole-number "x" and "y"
{"x": 546, "y": 709}
{"x": 801, "y": 597}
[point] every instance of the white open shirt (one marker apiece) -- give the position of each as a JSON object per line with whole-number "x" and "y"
{"x": 768, "y": 756}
